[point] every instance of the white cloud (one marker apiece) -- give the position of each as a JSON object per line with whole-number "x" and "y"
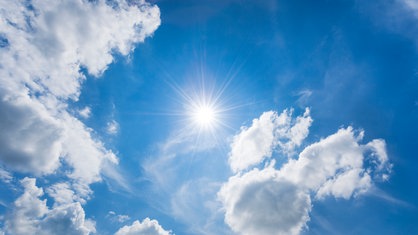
{"x": 66, "y": 219}
{"x": 5, "y": 176}
{"x": 278, "y": 201}
{"x": 31, "y": 215}
{"x": 147, "y": 226}
{"x": 28, "y": 208}
{"x": 260, "y": 202}
{"x": 62, "y": 194}
{"x": 336, "y": 164}
{"x": 112, "y": 127}
{"x": 290, "y": 133}
{"x": 119, "y": 218}
{"x": 122, "y": 218}
{"x": 267, "y": 133}
{"x": 85, "y": 112}
{"x": 253, "y": 144}
{"x": 45, "y": 44}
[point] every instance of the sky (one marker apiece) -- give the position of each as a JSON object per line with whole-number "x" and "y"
{"x": 167, "y": 117}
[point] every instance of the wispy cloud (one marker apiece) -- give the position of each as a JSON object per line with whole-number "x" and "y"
{"x": 119, "y": 218}
{"x": 5, "y": 176}
{"x": 112, "y": 127}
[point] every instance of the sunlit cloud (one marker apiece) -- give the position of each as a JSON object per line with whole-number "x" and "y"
{"x": 277, "y": 199}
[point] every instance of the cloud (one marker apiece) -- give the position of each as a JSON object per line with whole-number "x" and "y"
{"x": 112, "y": 127}
{"x": 147, "y": 226}
{"x": 412, "y": 5}
{"x": 267, "y": 133}
{"x": 31, "y": 139}
{"x": 66, "y": 219}
{"x": 85, "y": 112}
{"x": 27, "y": 209}
{"x": 45, "y": 46}
{"x": 5, "y": 176}
{"x": 46, "y": 49}
{"x": 260, "y": 202}
{"x": 62, "y": 194}
{"x": 31, "y": 215}
{"x": 278, "y": 201}
{"x": 195, "y": 204}
{"x": 303, "y": 97}
{"x": 338, "y": 165}
{"x": 119, "y": 218}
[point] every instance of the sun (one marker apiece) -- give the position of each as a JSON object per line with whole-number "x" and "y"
{"x": 204, "y": 116}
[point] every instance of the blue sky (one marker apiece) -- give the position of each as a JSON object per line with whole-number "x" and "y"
{"x": 208, "y": 117}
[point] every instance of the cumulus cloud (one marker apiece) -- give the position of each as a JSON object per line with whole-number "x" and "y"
{"x": 278, "y": 201}
{"x": 260, "y": 202}
{"x": 337, "y": 165}
{"x": 270, "y": 131}
{"x": 28, "y": 208}
{"x": 44, "y": 46}
{"x": 30, "y": 137}
{"x": 31, "y": 215}
{"x": 147, "y": 226}
{"x": 46, "y": 49}
{"x": 62, "y": 193}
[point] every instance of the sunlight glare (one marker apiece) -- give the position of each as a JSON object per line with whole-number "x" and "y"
{"x": 204, "y": 115}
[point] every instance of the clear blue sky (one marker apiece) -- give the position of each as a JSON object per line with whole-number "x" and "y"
{"x": 208, "y": 117}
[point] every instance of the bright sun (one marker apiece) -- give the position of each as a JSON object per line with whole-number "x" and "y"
{"x": 204, "y": 115}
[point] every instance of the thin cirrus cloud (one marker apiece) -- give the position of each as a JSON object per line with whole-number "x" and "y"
{"x": 278, "y": 200}
{"x": 45, "y": 45}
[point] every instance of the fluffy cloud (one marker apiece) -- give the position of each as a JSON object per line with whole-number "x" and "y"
{"x": 27, "y": 209}
{"x": 66, "y": 219}
{"x": 260, "y": 202}
{"x": 62, "y": 194}
{"x": 44, "y": 46}
{"x": 147, "y": 226}
{"x": 29, "y": 140}
{"x": 278, "y": 201}
{"x": 31, "y": 215}
{"x": 85, "y": 112}
{"x": 269, "y": 132}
